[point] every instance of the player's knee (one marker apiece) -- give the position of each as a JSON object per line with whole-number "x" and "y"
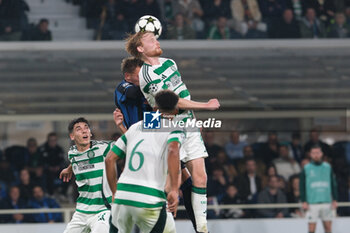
{"x": 199, "y": 180}
{"x": 328, "y": 229}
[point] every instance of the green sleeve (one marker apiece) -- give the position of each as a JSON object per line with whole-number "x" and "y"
{"x": 334, "y": 186}
{"x": 302, "y": 186}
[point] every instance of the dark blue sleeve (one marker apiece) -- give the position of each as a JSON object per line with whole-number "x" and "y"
{"x": 123, "y": 92}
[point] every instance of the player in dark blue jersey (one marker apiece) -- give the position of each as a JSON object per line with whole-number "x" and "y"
{"x": 128, "y": 96}
{"x": 131, "y": 104}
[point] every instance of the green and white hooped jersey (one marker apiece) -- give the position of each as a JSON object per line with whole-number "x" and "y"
{"x": 90, "y": 177}
{"x": 161, "y": 77}
{"x": 143, "y": 179}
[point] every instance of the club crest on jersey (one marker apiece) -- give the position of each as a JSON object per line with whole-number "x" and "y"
{"x": 168, "y": 84}
{"x": 90, "y": 154}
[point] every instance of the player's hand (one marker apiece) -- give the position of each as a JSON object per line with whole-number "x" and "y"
{"x": 213, "y": 104}
{"x": 305, "y": 206}
{"x": 173, "y": 201}
{"x": 66, "y": 174}
{"x": 118, "y": 117}
{"x": 334, "y": 205}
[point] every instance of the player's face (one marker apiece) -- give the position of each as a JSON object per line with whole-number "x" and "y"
{"x": 150, "y": 46}
{"x": 81, "y": 134}
{"x": 316, "y": 154}
{"x": 133, "y": 77}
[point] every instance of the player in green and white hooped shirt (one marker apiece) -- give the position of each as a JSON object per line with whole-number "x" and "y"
{"x": 139, "y": 196}
{"x": 87, "y": 159}
{"x": 161, "y": 73}
{"x": 318, "y": 191}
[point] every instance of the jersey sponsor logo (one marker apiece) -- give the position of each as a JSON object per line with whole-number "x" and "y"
{"x": 320, "y": 184}
{"x": 85, "y": 165}
{"x": 175, "y": 80}
{"x": 151, "y": 120}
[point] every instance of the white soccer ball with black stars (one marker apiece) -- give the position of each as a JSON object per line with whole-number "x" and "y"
{"x": 149, "y": 23}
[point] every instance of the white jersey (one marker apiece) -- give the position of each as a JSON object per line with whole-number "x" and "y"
{"x": 161, "y": 77}
{"x": 166, "y": 76}
{"x": 143, "y": 179}
{"x": 90, "y": 177}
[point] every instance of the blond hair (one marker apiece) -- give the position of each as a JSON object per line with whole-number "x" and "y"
{"x": 132, "y": 42}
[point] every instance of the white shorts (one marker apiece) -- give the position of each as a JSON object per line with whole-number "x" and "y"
{"x": 94, "y": 223}
{"x": 320, "y": 211}
{"x": 155, "y": 220}
{"x": 193, "y": 147}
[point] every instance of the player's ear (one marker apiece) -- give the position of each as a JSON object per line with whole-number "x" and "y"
{"x": 140, "y": 49}
{"x": 71, "y": 136}
{"x": 127, "y": 77}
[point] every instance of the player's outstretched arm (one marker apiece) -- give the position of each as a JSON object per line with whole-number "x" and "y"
{"x": 174, "y": 173}
{"x": 212, "y": 104}
{"x": 66, "y": 174}
{"x": 111, "y": 171}
{"x": 118, "y": 119}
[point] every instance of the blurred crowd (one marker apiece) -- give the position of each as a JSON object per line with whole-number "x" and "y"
{"x": 14, "y": 24}
{"x": 238, "y": 173}
{"x": 266, "y": 173}
{"x": 192, "y": 19}
{"x": 221, "y": 19}
{"x": 29, "y": 178}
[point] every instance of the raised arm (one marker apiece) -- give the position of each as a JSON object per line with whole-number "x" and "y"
{"x": 212, "y": 104}
{"x": 118, "y": 119}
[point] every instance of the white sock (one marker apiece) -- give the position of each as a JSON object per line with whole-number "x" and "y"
{"x": 199, "y": 205}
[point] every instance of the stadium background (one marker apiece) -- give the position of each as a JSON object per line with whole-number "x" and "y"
{"x": 265, "y": 86}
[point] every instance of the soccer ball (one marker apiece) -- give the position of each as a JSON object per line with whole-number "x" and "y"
{"x": 149, "y": 23}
